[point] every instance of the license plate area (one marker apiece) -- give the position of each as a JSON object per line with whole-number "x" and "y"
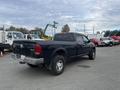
{"x": 22, "y": 57}
{"x": 18, "y": 56}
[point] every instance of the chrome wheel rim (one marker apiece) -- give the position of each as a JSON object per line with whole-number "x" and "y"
{"x": 59, "y": 65}
{"x": 93, "y": 54}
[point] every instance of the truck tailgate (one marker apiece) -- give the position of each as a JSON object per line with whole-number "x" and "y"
{"x": 24, "y": 47}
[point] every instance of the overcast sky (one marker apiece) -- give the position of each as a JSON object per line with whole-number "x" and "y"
{"x": 103, "y": 14}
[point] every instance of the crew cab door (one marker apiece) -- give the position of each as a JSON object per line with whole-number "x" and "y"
{"x": 86, "y": 45}
{"x": 83, "y": 44}
{"x": 79, "y": 40}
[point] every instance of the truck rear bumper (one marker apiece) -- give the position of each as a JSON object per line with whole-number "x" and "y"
{"x": 29, "y": 60}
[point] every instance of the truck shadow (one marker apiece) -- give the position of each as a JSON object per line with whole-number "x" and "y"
{"x": 79, "y": 61}
{"x": 38, "y": 72}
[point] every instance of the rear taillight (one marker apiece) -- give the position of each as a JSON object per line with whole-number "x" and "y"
{"x": 38, "y": 49}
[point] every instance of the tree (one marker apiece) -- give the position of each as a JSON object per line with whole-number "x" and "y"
{"x": 114, "y": 32}
{"x": 65, "y": 28}
{"x": 12, "y": 28}
{"x": 107, "y": 33}
{"x": 98, "y": 32}
{"x": 23, "y": 30}
{"x": 118, "y": 34}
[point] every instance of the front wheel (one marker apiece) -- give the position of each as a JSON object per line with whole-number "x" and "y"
{"x": 92, "y": 55}
{"x": 57, "y": 65}
{"x": 111, "y": 44}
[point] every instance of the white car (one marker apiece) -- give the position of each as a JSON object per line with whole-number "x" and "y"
{"x": 106, "y": 41}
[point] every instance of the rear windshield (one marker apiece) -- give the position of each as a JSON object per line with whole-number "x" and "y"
{"x": 64, "y": 37}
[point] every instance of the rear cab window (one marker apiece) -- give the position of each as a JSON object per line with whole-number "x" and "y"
{"x": 64, "y": 37}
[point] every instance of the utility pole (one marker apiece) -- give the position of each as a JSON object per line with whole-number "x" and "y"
{"x": 3, "y": 35}
{"x": 93, "y": 29}
{"x": 3, "y": 28}
{"x": 84, "y": 28}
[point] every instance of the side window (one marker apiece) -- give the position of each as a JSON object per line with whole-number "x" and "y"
{"x": 9, "y": 36}
{"x": 85, "y": 39}
{"x": 15, "y": 35}
{"x": 79, "y": 39}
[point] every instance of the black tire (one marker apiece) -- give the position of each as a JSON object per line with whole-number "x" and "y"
{"x": 32, "y": 66}
{"x": 92, "y": 55}
{"x": 58, "y": 65}
{"x": 111, "y": 44}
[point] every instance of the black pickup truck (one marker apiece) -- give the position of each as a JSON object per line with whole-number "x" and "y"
{"x": 55, "y": 53}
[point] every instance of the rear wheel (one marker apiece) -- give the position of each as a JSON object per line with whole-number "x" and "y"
{"x": 58, "y": 64}
{"x": 92, "y": 55}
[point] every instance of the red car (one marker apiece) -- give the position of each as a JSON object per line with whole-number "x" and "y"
{"x": 116, "y": 38}
{"x": 96, "y": 41}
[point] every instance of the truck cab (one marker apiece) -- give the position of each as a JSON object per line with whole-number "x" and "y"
{"x": 7, "y": 38}
{"x": 55, "y": 53}
{"x": 13, "y": 35}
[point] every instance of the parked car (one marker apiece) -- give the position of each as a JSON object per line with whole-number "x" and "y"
{"x": 117, "y": 38}
{"x": 106, "y": 41}
{"x": 96, "y": 41}
{"x": 115, "y": 42}
{"x": 53, "y": 54}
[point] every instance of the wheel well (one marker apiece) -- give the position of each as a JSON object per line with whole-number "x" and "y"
{"x": 60, "y": 52}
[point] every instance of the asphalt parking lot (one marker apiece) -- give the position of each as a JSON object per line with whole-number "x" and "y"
{"x": 83, "y": 74}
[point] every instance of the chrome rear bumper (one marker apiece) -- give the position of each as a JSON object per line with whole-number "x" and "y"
{"x": 29, "y": 60}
